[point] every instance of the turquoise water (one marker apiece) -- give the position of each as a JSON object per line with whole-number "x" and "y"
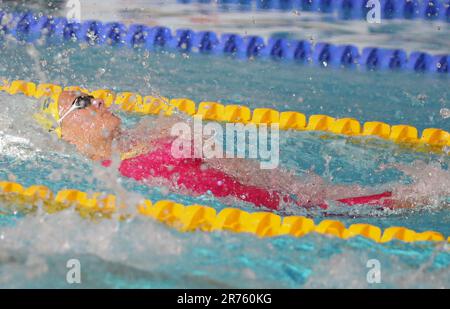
{"x": 392, "y": 97}
{"x": 143, "y": 253}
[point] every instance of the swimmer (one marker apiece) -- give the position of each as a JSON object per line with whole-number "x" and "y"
{"x": 145, "y": 150}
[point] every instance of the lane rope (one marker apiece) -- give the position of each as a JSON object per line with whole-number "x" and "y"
{"x": 431, "y": 139}
{"x": 30, "y": 27}
{"x": 430, "y": 10}
{"x": 204, "y": 218}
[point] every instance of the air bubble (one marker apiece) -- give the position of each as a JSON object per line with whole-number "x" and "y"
{"x": 445, "y": 113}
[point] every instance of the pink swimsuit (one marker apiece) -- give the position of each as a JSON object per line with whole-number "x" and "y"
{"x": 189, "y": 173}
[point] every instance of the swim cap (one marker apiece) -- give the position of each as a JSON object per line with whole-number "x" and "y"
{"x": 5, "y": 85}
{"x": 48, "y": 114}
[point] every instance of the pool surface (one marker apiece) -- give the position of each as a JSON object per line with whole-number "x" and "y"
{"x": 142, "y": 253}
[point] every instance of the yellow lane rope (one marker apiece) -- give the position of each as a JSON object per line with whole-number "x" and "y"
{"x": 205, "y": 218}
{"x": 431, "y": 139}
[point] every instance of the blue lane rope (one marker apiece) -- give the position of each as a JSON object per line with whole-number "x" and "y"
{"x": 344, "y": 9}
{"x": 30, "y": 27}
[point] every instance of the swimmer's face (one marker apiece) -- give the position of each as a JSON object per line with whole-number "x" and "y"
{"x": 92, "y": 125}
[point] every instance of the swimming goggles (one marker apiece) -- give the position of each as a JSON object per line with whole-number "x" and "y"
{"x": 80, "y": 102}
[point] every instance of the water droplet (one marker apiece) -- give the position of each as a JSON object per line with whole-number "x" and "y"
{"x": 445, "y": 113}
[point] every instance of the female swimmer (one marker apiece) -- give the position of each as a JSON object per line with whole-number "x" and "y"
{"x": 146, "y": 156}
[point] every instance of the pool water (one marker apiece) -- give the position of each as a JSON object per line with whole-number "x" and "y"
{"x": 140, "y": 252}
